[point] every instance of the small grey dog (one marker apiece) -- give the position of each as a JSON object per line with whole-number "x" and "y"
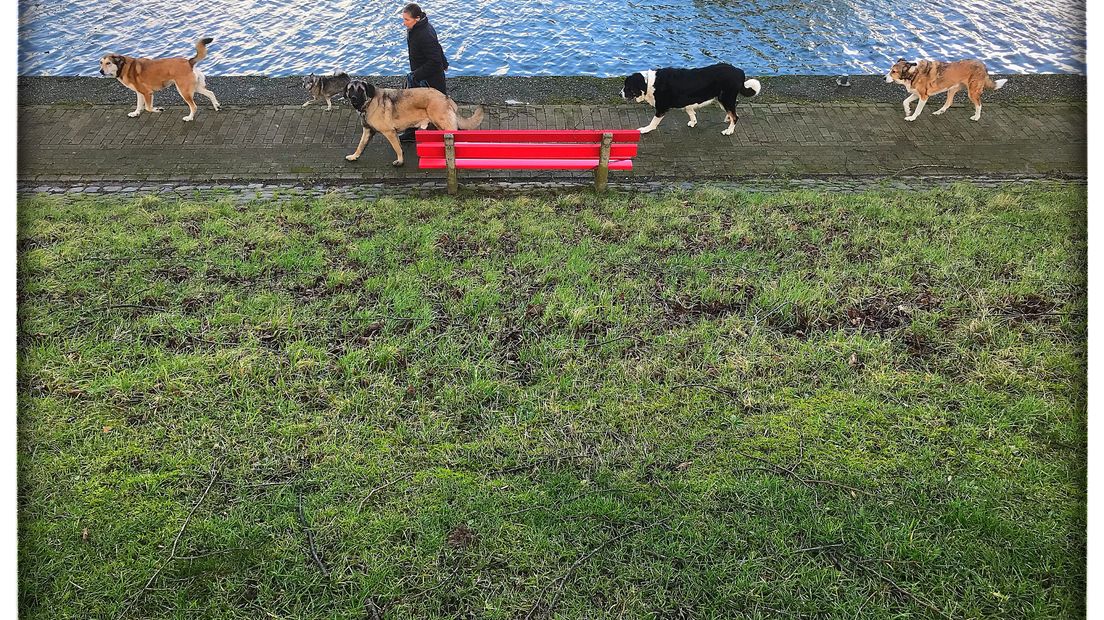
{"x": 325, "y": 87}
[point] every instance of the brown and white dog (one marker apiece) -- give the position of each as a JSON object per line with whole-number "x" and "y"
{"x": 930, "y": 77}
{"x": 145, "y": 76}
{"x": 391, "y": 110}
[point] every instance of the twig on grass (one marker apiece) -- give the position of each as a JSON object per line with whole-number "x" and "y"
{"x": 440, "y": 584}
{"x": 176, "y": 541}
{"x": 360, "y": 506}
{"x": 574, "y": 565}
{"x": 896, "y": 586}
{"x": 200, "y": 556}
{"x": 893, "y": 584}
{"x": 809, "y": 482}
{"x": 612, "y": 340}
{"x": 310, "y": 538}
{"x": 818, "y": 548}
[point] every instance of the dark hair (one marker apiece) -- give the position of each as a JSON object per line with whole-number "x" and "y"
{"x": 414, "y": 11}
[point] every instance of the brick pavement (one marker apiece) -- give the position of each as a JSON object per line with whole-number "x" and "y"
{"x": 100, "y": 144}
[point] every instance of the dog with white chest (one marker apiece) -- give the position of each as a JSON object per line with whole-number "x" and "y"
{"x": 925, "y": 78}
{"x": 147, "y": 75}
{"x": 690, "y": 89}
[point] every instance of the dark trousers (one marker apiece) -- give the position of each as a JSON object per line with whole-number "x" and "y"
{"x": 410, "y": 83}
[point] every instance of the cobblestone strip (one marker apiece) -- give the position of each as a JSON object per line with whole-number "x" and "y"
{"x": 244, "y": 193}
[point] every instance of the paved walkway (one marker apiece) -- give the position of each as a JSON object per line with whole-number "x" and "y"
{"x": 100, "y": 144}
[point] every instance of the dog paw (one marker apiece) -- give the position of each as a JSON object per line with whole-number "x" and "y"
{"x": 186, "y": 119}
{"x": 397, "y": 163}
{"x": 691, "y": 123}
{"x": 158, "y": 110}
{"x": 728, "y": 132}
{"x": 217, "y": 108}
{"x": 133, "y": 114}
{"x": 938, "y": 112}
{"x": 910, "y": 118}
{"x": 352, "y": 157}
{"x": 976, "y": 117}
{"x": 305, "y": 104}
{"x": 644, "y": 129}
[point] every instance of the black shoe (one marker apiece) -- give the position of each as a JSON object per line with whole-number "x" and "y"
{"x": 407, "y": 136}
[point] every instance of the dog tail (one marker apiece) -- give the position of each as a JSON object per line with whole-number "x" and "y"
{"x": 201, "y": 50}
{"x": 472, "y": 121}
{"x": 995, "y": 84}
{"x": 751, "y": 88}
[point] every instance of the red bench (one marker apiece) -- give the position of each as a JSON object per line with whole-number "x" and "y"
{"x": 600, "y": 150}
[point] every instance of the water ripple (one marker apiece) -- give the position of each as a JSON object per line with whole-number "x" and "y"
{"x": 571, "y": 37}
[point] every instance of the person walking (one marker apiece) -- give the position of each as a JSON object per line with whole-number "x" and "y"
{"x": 427, "y": 59}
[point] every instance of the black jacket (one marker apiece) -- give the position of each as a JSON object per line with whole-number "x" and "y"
{"x": 427, "y": 59}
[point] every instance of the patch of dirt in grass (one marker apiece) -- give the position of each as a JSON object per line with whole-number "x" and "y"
{"x": 682, "y": 310}
{"x": 172, "y": 273}
{"x": 856, "y": 254}
{"x": 271, "y": 338}
{"x": 458, "y": 248}
{"x": 174, "y": 341}
{"x": 917, "y": 345}
{"x": 1023, "y": 308}
{"x": 508, "y": 342}
{"x": 307, "y": 292}
{"x": 198, "y": 302}
{"x": 460, "y": 537}
{"x": 26, "y": 244}
{"x": 925, "y": 300}
{"x": 799, "y": 325}
{"x": 877, "y": 314}
{"x": 191, "y": 227}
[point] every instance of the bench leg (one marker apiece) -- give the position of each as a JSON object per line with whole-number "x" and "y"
{"x": 450, "y": 163}
{"x": 601, "y": 175}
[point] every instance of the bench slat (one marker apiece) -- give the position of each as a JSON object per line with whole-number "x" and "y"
{"x": 528, "y": 135}
{"x": 435, "y": 163}
{"x": 483, "y": 150}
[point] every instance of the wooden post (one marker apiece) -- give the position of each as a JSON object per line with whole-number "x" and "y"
{"x": 450, "y": 162}
{"x": 601, "y": 175}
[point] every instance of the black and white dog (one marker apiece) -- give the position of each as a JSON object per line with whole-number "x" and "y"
{"x": 691, "y": 89}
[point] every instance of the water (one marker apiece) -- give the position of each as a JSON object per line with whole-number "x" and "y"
{"x": 568, "y": 37}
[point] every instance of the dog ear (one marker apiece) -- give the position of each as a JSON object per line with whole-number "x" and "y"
{"x": 902, "y": 60}
{"x": 117, "y": 60}
{"x": 369, "y": 91}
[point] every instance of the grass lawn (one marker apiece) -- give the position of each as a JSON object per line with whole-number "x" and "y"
{"x": 704, "y": 404}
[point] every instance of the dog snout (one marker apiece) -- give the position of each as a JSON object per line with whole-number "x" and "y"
{"x": 889, "y": 78}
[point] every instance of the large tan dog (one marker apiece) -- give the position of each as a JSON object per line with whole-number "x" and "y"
{"x": 930, "y": 77}
{"x": 145, "y": 76}
{"x": 391, "y": 110}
